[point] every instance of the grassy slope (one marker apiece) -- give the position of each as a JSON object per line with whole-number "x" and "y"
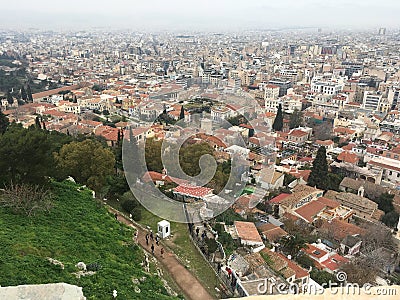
{"x": 77, "y": 229}
{"x": 183, "y": 247}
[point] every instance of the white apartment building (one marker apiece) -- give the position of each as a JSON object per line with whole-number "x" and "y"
{"x": 271, "y": 91}
{"x": 220, "y": 113}
{"x": 372, "y": 100}
{"x": 389, "y": 168}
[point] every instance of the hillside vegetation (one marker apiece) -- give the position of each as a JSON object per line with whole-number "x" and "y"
{"x": 77, "y": 229}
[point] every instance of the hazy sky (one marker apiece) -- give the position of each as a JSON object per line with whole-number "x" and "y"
{"x": 201, "y": 14}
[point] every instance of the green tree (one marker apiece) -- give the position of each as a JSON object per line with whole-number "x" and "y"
{"x": 319, "y": 171}
{"x": 4, "y": 122}
{"x": 390, "y": 219}
{"x": 333, "y": 181}
{"x": 25, "y": 155}
{"x": 385, "y": 202}
{"x": 10, "y": 98}
{"x": 288, "y": 178}
{"x": 37, "y": 123}
{"x": 292, "y": 244}
{"x": 153, "y": 155}
{"x": 24, "y": 95}
{"x": 305, "y": 261}
{"x": 278, "y": 122}
{"x": 182, "y": 113}
{"x": 296, "y": 119}
{"x": 29, "y": 93}
{"x": 189, "y": 157}
{"x": 87, "y": 161}
{"x": 322, "y": 276}
{"x": 131, "y": 205}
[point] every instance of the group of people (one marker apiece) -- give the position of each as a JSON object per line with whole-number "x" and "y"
{"x": 150, "y": 236}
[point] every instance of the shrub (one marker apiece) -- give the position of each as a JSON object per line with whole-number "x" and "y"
{"x": 211, "y": 245}
{"x": 137, "y": 213}
{"x": 27, "y": 199}
{"x": 93, "y": 267}
{"x": 129, "y": 205}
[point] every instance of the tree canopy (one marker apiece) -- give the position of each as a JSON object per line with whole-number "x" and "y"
{"x": 182, "y": 113}
{"x": 319, "y": 171}
{"x": 4, "y": 122}
{"x": 25, "y": 155}
{"x": 278, "y": 122}
{"x": 296, "y": 119}
{"x": 87, "y": 161}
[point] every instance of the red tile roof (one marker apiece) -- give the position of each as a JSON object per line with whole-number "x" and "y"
{"x": 193, "y": 191}
{"x": 310, "y": 210}
{"x": 314, "y": 252}
{"x": 298, "y": 133}
{"x": 333, "y": 262}
{"x": 279, "y": 198}
{"x": 247, "y": 231}
{"x": 348, "y": 157}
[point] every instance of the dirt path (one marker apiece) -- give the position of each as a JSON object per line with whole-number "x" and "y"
{"x": 187, "y": 282}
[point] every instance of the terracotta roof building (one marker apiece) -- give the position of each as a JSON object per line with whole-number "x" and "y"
{"x": 248, "y": 233}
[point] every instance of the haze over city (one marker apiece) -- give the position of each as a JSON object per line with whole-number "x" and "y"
{"x": 200, "y": 15}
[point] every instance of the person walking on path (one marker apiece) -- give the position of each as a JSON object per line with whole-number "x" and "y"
{"x": 152, "y": 249}
{"x": 151, "y": 235}
{"x": 157, "y": 240}
{"x": 136, "y": 236}
{"x": 162, "y": 252}
{"x": 147, "y": 239}
{"x": 116, "y": 216}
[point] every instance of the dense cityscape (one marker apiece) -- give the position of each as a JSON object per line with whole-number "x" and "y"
{"x": 312, "y": 113}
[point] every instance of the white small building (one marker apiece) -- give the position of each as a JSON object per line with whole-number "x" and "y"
{"x": 163, "y": 229}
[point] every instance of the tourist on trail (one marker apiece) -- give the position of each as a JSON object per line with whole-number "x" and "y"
{"x": 157, "y": 240}
{"x": 151, "y": 235}
{"x": 136, "y": 236}
{"x": 162, "y": 252}
{"x": 147, "y": 239}
{"x": 229, "y": 271}
{"x": 197, "y": 231}
{"x": 219, "y": 267}
{"x": 116, "y": 216}
{"x": 152, "y": 249}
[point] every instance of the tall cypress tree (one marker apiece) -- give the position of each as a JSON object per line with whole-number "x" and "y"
{"x": 182, "y": 114}
{"x": 319, "y": 171}
{"x": 278, "y": 122}
{"x": 4, "y": 122}
{"x": 10, "y": 98}
{"x": 24, "y": 96}
{"x": 37, "y": 123}
{"x": 29, "y": 93}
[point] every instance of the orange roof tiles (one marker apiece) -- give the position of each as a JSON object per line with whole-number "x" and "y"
{"x": 193, "y": 191}
{"x": 247, "y": 231}
{"x": 348, "y": 157}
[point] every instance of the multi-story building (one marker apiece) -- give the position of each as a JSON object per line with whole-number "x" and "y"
{"x": 372, "y": 100}
{"x": 320, "y": 86}
{"x": 284, "y": 85}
